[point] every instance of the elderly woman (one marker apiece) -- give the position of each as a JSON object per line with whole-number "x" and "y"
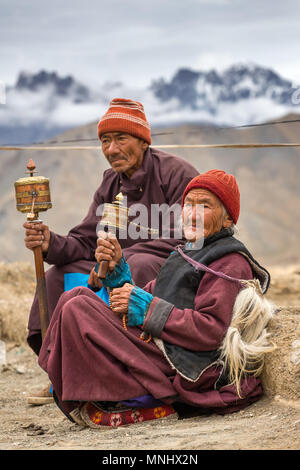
{"x": 193, "y": 339}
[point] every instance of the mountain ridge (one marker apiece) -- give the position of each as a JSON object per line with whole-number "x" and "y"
{"x": 43, "y": 104}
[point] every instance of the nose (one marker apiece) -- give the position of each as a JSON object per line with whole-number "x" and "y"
{"x": 197, "y": 213}
{"x": 194, "y": 214}
{"x": 113, "y": 148}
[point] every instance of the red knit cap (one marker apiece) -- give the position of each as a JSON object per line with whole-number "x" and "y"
{"x": 223, "y": 185}
{"x": 125, "y": 116}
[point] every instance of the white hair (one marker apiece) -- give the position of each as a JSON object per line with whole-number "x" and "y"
{"x": 225, "y": 213}
{"x": 247, "y": 341}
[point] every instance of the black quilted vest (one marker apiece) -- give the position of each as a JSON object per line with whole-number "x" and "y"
{"x": 178, "y": 282}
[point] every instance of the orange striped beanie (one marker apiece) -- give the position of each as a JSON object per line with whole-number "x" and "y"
{"x": 125, "y": 116}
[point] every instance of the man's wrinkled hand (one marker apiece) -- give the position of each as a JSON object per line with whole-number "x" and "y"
{"x": 37, "y": 234}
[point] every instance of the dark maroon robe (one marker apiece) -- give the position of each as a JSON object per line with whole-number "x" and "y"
{"x": 161, "y": 179}
{"x": 89, "y": 356}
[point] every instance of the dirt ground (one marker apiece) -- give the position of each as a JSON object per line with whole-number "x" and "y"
{"x": 273, "y": 423}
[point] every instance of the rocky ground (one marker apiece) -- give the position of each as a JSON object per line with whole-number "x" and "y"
{"x": 272, "y": 423}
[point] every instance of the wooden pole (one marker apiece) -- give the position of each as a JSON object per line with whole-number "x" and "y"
{"x": 41, "y": 289}
{"x": 103, "y": 268}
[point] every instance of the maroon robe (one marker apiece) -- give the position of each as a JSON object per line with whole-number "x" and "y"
{"x": 89, "y": 356}
{"x": 161, "y": 179}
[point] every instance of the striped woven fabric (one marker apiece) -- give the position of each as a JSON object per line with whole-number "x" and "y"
{"x": 125, "y": 116}
{"x": 96, "y": 417}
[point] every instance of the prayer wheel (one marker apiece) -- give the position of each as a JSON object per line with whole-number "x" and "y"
{"x": 114, "y": 214}
{"x": 32, "y": 194}
{"x": 32, "y": 197}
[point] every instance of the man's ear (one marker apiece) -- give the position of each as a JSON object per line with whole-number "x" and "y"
{"x": 144, "y": 145}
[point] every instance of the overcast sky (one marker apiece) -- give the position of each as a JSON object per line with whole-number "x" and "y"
{"x": 135, "y": 41}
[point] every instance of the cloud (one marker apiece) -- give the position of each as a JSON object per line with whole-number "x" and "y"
{"x": 208, "y": 60}
{"x": 130, "y": 40}
{"x": 44, "y": 108}
{"x": 2, "y": 93}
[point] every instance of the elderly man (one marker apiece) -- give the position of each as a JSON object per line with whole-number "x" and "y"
{"x": 144, "y": 175}
{"x": 194, "y": 336}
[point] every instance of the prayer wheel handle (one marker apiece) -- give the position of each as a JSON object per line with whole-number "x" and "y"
{"x": 102, "y": 270}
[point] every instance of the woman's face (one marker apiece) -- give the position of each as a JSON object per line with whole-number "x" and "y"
{"x": 203, "y": 215}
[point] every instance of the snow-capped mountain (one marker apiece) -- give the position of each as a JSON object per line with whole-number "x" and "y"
{"x": 241, "y": 94}
{"x": 207, "y": 90}
{"x": 65, "y": 86}
{"x": 44, "y": 104}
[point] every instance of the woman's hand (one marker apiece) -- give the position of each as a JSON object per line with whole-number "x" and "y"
{"x": 94, "y": 280}
{"x": 108, "y": 249}
{"x": 119, "y": 298}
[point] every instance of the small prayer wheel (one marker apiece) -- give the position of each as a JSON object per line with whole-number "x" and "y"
{"x": 114, "y": 214}
{"x": 32, "y": 194}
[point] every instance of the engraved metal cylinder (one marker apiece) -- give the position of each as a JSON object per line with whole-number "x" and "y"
{"x": 115, "y": 216}
{"x": 31, "y": 188}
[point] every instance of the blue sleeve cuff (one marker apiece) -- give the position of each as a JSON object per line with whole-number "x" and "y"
{"x": 119, "y": 276}
{"x": 138, "y": 305}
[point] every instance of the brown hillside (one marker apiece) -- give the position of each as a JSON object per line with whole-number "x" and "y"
{"x": 268, "y": 180}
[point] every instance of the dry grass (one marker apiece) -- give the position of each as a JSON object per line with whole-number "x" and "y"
{"x": 281, "y": 374}
{"x": 17, "y": 287}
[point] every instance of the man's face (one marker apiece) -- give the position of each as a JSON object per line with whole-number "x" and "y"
{"x": 124, "y": 152}
{"x": 203, "y": 215}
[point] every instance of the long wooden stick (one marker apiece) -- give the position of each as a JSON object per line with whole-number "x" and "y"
{"x": 41, "y": 289}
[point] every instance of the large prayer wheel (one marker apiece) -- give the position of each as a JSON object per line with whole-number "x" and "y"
{"x": 32, "y": 197}
{"x": 32, "y": 194}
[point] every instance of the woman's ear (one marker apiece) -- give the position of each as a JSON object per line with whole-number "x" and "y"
{"x": 227, "y": 222}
